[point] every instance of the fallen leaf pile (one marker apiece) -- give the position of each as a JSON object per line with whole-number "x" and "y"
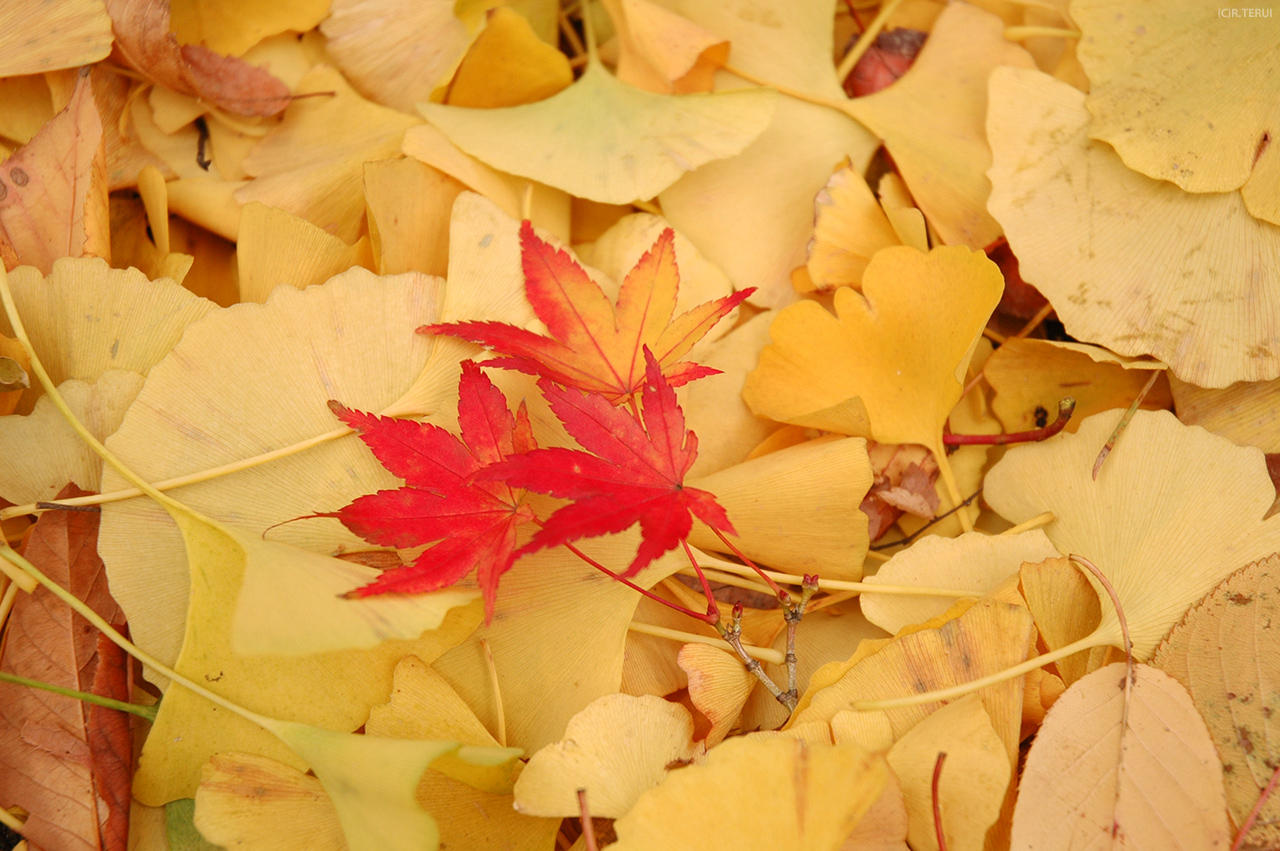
{"x": 643, "y": 424}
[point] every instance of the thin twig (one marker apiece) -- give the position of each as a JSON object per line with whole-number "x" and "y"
{"x": 917, "y": 533}
{"x": 793, "y": 613}
{"x": 148, "y": 712}
{"x": 782, "y": 594}
{"x": 1124, "y": 421}
{"x": 937, "y": 806}
{"x": 733, "y": 635}
{"x": 1065, "y": 408}
{"x": 588, "y": 826}
{"x": 1257, "y": 810}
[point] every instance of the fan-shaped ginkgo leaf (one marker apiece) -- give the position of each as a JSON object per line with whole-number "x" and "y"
{"x": 932, "y": 121}
{"x": 1106, "y": 244}
{"x": 1187, "y": 97}
{"x": 617, "y": 748}
{"x": 1099, "y": 770}
{"x": 39, "y": 37}
{"x": 898, "y": 351}
{"x": 1247, "y": 413}
{"x": 972, "y": 785}
{"x": 1030, "y": 378}
{"x": 1168, "y": 495}
{"x": 756, "y": 793}
{"x": 972, "y": 562}
{"x": 605, "y": 140}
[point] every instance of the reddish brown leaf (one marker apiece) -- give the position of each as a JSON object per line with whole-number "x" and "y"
{"x": 48, "y": 742}
{"x": 144, "y": 41}
{"x": 111, "y": 744}
{"x": 884, "y": 62}
{"x": 53, "y": 190}
{"x": 904, "y": 484}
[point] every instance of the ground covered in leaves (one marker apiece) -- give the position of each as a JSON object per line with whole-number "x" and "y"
{"x": 646, "y": 424}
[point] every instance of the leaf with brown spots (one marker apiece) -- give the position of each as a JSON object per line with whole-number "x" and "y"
{"x": 53, "y": 191}
{"x": 1227, "y": 655}
{"x": 67, "y": 766}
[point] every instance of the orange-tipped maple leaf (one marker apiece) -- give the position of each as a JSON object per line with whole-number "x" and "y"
{"x": 594, "y": 345}
{"x": 474, "y": 522}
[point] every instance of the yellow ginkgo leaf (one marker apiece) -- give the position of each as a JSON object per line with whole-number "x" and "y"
{"x": 86, "y": 318}
{"x": 660, "y": 51}
{"x": 901, "y": 347}
{"x": 796, "y": 509}
{"x": 508, "y": 65}
{"x": 189, "y": 729}
{"x": 403, "y": 64}
{"x": 849, "y": 227}
{"x": 758, "y": 793}
{"x": 1030, "y": 378}
{"x": 718, "y": 686}
{"x": 275, "y": 247}
{"x": 1225, "y": 654}
{"x": 201, "y": 412}
{"x": 535, "y": 693}
{"x": 988, "y": 637}
{"x": 1187, "y": 97}
{"x": 41, "y": 451}
{"x": 1066, "y": 609}
{"x": 373, "y": 781}
{"x": 1099, "y": 241}
{"x": 974, "y": 777}
{"x": 752, "y": 215}
{"x": 577, "y": 139}
{"x": 1099, "y": 769}
{"x": 408, "y": 204}
{"x": 477, "y": 814}
{"x": 231, "y": 27}
{"x": 39, "y": 37}
{"x": 311, "y": 164}
{"x": 1169, "y": 495}
{"x": 617, "y": 748}
{"x": 932, "y": 121}
{"x": 1247, "y": 413}
{"x": 972, "y": 561}
{"x": 244, "y": 797}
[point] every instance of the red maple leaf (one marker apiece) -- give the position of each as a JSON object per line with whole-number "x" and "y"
{"x": 636, "y": 473}
{"x": 474, "y": 522}
{"x": 594, "y": 345}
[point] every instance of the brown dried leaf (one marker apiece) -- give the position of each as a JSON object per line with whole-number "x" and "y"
{"x": 53, "y": 191}
{"x": 51, "y": 749}
{"x": 144, "y": 41}
{"x": 1227, "y": 655}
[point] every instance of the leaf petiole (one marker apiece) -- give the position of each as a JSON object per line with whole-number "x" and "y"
{"x": 148, "y": 712}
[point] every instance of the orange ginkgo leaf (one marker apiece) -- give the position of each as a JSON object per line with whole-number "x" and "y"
{"x": 54, "y": 761}
{"x": 53, "y": 191}
{"x": 145, "y": 41}
{"x": 594, "y": 345}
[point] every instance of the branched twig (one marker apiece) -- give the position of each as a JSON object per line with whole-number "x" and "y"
{"x": 733, "y": 634}
{"x": 792, "y": 614}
